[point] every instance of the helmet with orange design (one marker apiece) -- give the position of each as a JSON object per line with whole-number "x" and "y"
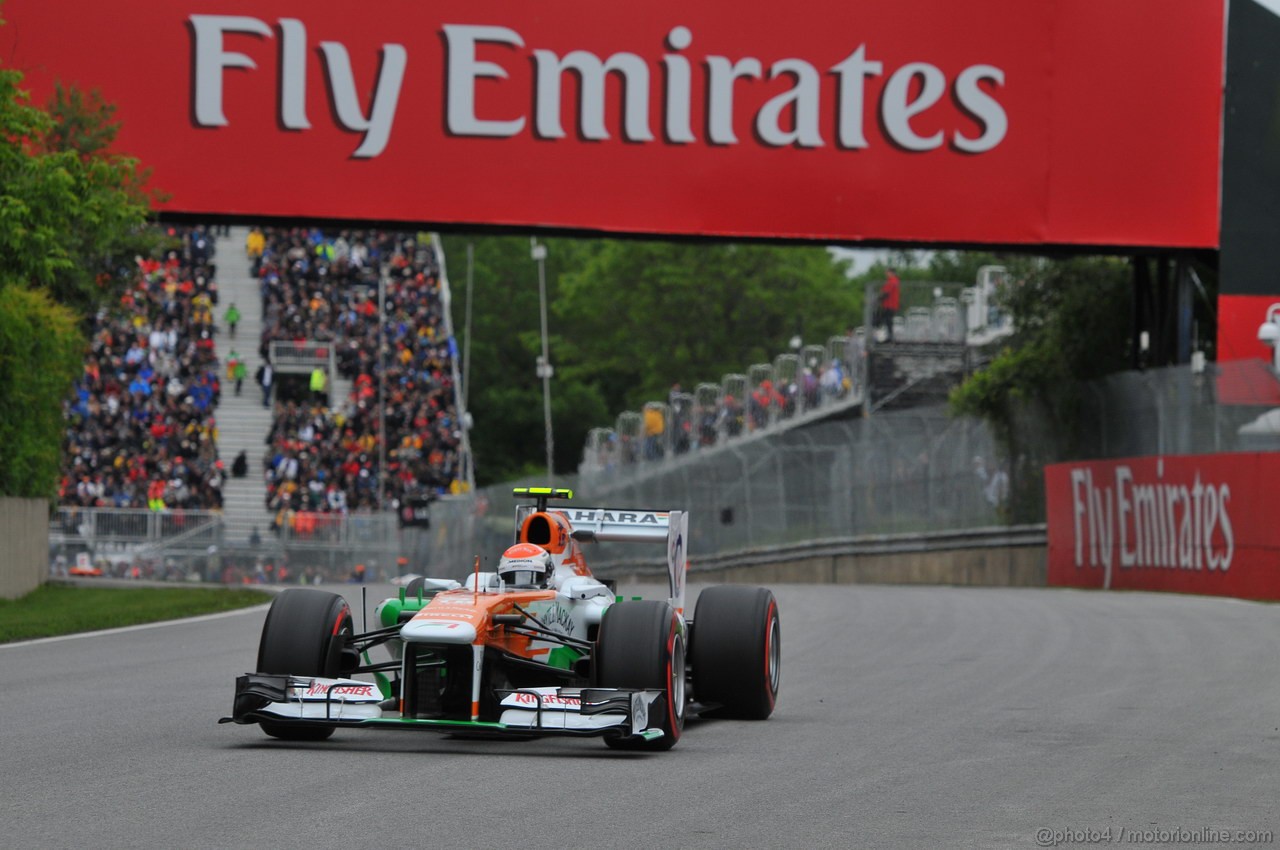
{"x": 525, "y": 565}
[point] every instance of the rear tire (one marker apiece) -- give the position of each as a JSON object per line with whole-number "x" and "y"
{"x": 641, "y": 645}
{"x": 736, "y": 651}
{"x": 304, "y": 635}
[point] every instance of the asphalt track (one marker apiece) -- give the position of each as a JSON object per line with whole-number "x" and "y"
{"x": 912, "y": 717}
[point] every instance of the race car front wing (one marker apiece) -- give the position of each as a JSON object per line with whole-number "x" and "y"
{"x": 526, "y": 712}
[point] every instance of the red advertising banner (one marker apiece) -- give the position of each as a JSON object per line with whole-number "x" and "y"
{"x": 994, "y": 121}
{"x": 1244, "y": 374}
{"x": 1193, "y": 524}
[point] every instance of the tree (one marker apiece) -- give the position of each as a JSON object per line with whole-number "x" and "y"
{"x": 1073, "y": 319}
{"x": 505, "y": 393}
{"x": 40, "y": 355}
{"x": 81, "y": 123}
{"x": 628, "y": 318}
{"x": 639, "y": 316}
{"x": 70, "y": 220}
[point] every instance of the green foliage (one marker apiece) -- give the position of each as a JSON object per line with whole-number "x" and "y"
{"x": 40, "y": 355}
{"x": 627, "y": 319}
{"x": 56, "y": 609}
{"x": 1073, "y": 320}
{"x": 505, "y": 394}
{"x": 961, "y": 266}
{"x": 70, "y": 218}
{"x": 637, "y": 316}
{"x": 81, "y": 123}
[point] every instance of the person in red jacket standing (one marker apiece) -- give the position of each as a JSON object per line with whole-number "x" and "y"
{"x": 889, "y": 300}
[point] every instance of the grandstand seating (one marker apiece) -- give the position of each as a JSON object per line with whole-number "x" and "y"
{"x": 323, "y": 456}
{"x": 141, "y": 429}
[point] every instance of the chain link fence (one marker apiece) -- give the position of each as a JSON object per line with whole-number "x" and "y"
{"x": 196, "y": 543}
{"x": 1169, "y": 411}
{"x": 899, "y": 472}
{"x": 895, "y": 473}
{"x": 916, "y": 470}
{"x": 1173, "y": 410}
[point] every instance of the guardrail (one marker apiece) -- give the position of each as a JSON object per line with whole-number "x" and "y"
{"x": 139, "y": 532}
{"x": 134, "y": 526}
{"x": 322, "y": 530}
{"x": 995, "y": 556}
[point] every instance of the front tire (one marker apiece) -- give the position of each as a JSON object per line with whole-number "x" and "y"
{"x": 736, "y": 651}
{"x": 641, "y": 645}
{"x": 304, "y": 635}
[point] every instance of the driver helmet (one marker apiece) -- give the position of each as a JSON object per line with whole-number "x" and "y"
{"x": 525, "y": 565}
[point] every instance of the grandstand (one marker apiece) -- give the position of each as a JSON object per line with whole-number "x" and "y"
{"x": 341, "y": 438}
{"x": 155, "y": 427}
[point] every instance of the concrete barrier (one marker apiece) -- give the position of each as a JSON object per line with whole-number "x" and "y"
{"x": 989, "y": 557}
{"x": 24, "y": 546}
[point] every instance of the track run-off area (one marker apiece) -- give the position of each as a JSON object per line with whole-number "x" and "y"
{"x": 910, "y": 717}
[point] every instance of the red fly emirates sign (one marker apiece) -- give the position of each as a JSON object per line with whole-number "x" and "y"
{"x": 993, "y": 121}
{"x": 1195, "y": 524}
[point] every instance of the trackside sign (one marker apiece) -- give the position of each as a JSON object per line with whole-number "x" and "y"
{"x": 1195, "y": 524}
{"x": 996, "y": 121}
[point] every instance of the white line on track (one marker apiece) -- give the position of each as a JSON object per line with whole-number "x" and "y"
{"x": 137, "y": 628}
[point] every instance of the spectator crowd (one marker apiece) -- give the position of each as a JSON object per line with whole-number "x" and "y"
{"x": 737, "y": 406}
{"x": 323, "y": 456}
{"x": 141, "y": 430}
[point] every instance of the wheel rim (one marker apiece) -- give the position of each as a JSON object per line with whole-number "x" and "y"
{"x": 773, "y": 655}
{"x": 675, "y": 684}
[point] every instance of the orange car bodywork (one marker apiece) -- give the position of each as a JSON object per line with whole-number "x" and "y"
{"x": 466, "y": 607}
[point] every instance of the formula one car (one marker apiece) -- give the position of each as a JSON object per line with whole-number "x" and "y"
{"x": 538, "y": 647}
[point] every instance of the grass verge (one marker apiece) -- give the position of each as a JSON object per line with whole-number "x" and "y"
{"x": 56, "y": 609}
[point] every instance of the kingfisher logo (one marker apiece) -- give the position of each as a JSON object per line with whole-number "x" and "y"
{"x": 543, "y": 700}
{"x": 328, "y": 689}
{"x": 670, "y": 93}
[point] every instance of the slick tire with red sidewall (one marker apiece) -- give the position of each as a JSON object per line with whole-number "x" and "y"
{"x": 735, "y": 650}
{"x": 304, "y": 635}
{"x": 641, "y": 645}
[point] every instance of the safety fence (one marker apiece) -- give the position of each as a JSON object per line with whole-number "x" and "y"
{"x": 934, "y": 326}
{"x": 902, "y": 472}
{"x": 907, "y": 471}
{"x": 201, "y": 542}
{"x": 1167, "y": 411}
{"x": 921, "y": 470}
{"x": 1171, "y": 411}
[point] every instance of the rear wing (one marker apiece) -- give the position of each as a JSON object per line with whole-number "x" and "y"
{"x": 626, "y": 526}
{"x": 621, "y": 525}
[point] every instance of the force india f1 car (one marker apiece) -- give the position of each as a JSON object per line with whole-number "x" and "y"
{"x": 538, "y": 647}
